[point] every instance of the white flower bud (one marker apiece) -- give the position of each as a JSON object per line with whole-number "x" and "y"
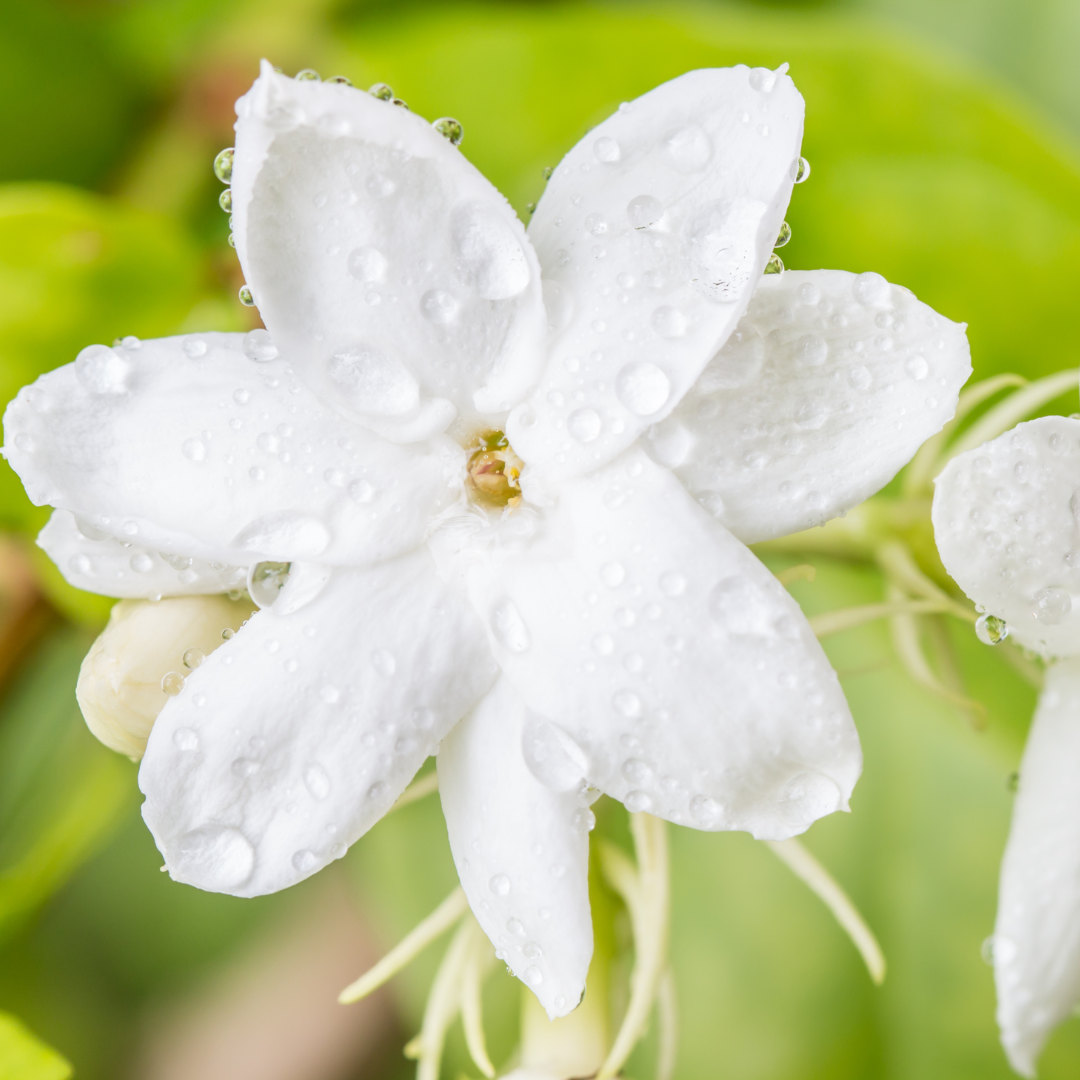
{"x": 120, "y": 684}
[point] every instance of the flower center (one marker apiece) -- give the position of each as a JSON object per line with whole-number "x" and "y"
{"x": 493, "y": 471}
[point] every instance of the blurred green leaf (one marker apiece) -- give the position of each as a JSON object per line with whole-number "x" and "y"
{"x": 60, "y": 790}
{"x": 25, "y": 1057}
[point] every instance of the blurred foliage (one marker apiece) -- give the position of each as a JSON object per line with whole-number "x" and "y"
{"x": 23, "y": 1057}
{"x": 924, "y": 169}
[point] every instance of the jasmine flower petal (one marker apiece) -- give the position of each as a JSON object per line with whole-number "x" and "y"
{"x": 827, "y": 387}
{"x": 521, "y": 850}
{"x": 292, "y": 739}
{"x": 673, "y": 670}
{"x": 1006, "y": 523}
{"x": 653, "y": 233}
{"x": 1037, "y": 933}
{"x": 220, "y": 458}
{"x": 392, "y": 271}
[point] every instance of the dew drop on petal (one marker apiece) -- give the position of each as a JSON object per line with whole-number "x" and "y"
{"x": 642, "y": 387}
{"x": 627, "y": 703}
{"x": 607, "y": 150}
{"x": 1052, "y": 605}
{"x": 533, "y": 976}
{"x": 360, "y": 491}
{"x": 382, "y": 660}
{"x": 185, "y": 739}
{"x": 259, "y": 346}
{"x": 367, "y": 264}
{"x": 194, "y": 347}
{"x": 637, "y": 802}
{"x": 808, "y": 796}
{"x": 584, "y": 425}
{"x": 870, "y": 289}
{"x": 689, "y": 149}
{"x": 193, "y": 449}
{"x": 917, "y": 367}
{"x": 705, "y": 811}
{"x": 439, "y": 306}
{"x": 172, "y": 683}
{"x": 141, "y": 563}
{"x": 378, "y": 383}
{"x": 80, "y": 564}
{"x": 644, "y": 210}
{"x": 103, "y": 370}
{"x": 266, "y": 580}
{"x": 193, "y": 657}
{"x": 214, "y": 857}
{"x": 305, "y": 861}
{"x": 552, "y": 756}
{"x": 499, "y": 885}
{"x": 612, "y": 574}
{"x": 509, "y": 627}
{"x": 991, "y": 630}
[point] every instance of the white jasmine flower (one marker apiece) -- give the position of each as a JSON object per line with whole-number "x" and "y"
{"x": 507, "y": 480}
{"x": 1007, "y": 522}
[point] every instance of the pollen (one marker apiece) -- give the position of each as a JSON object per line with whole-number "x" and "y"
{"x": 494, "y": 470}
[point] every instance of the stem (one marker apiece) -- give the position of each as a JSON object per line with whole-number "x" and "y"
{"x": 805, "y": 866}
{"x": 832, "y": 622}
{"x": 647, "y": 896}
{"x": 472, "y": 1013}
{"x": 435, "y": 925}
{"x": 668, "y": 1009}
{"x": 418, "y": 789}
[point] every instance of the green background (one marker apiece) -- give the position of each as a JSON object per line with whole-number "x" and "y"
{"x": 943, "y": 143}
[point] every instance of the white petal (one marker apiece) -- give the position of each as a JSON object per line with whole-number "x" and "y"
{"x": 219, "y": 457}
{"x": 674, "y": 671}
{"x": 653, "y": 233}
{"x": 295, "y": 737}
{"x": 521, "y": 850}
{"x": 1037, "y": 934}
{"x": 826, "y": 389}
{"x": 381, "y": 259}
{"x": 100, "y": 563}
{"x": 1007, "y": 524}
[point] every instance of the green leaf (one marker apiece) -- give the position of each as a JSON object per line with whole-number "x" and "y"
{"x": 23, "y": 1056}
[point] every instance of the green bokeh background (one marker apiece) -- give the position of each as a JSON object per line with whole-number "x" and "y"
{"x": 943, "y": 143}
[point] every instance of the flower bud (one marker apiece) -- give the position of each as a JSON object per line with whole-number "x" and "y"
{"x": 141, "y": 655}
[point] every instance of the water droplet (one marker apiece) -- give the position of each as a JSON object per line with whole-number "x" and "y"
{"x": 367, "y": 264}
{"x": 340, "y": 80}
{"x": 491, "y": 255}
{"x": 811, "y": 350}
{"x": 381, "y": 91}
{"x": 774, "y": 264}
{"x": 636, "y": 771}
{"x": 762, "y": 80}
{"x": 186, "y": 739}
{"x": 194, "y": 347}
{"x": 859, "y": 377}
{"x": 808, "y": 796}
{"x": 382, "y": 660}
{"x": 305, "y": 861}
{"x": 627, "y": 703}
{"x": 637, "y": 802}
{"x": 172, "y": 683}
{"x": 783, "y": 236}
{"x": 532, "y": 951}
{"x": 141, "y": 563}
{"x": 245, "y": 767}
{"x": 300, "y": 535}
{"x": 917, "y": 367}
{"x": 870, "y": 289}
{"x": 612, "y": 574}
{"x": 449, "y": 128}
{"x": 360, "y": 491}
{"x": 705, "y": 811}
{"x": 439, "y": 306}
{"x": 259, "y": 346}
{"x": 193, "y": 657}
{"x": 515, "y": 927}
{"x": 331, "y": 695}
{"x": 80, "y": 564}
{"x": 669, "y": 322}
{"x": 246, "y": 296}
{"x": 800, "y": 170}
{"x": 644, "y": 211}
{"x": 552, "y": 756}
{"x": 603, "y": 644}
{"x": 584, "y": 425}
{"x": 606, "y": 150}
{"x": 213, "y": 857}
{"x": 225, "y": 200}
{"x": 533, "y": 976}
{"x": 102, "y": 370}
{"x": 672, "y": 583}
{"x": 266, "y": 580}
{"x": 991, "y": 630}
{"x": 509, "y": 627}
{"x": 596, "y": 224}
{"x": 689, "y": 149}
{"x": 193, "y": 449}
{"x": 1051, "y": 605}
{"x": 378, "y": 383}
{"x": 499, "y": 885}
{"x": 223, "y": 165}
